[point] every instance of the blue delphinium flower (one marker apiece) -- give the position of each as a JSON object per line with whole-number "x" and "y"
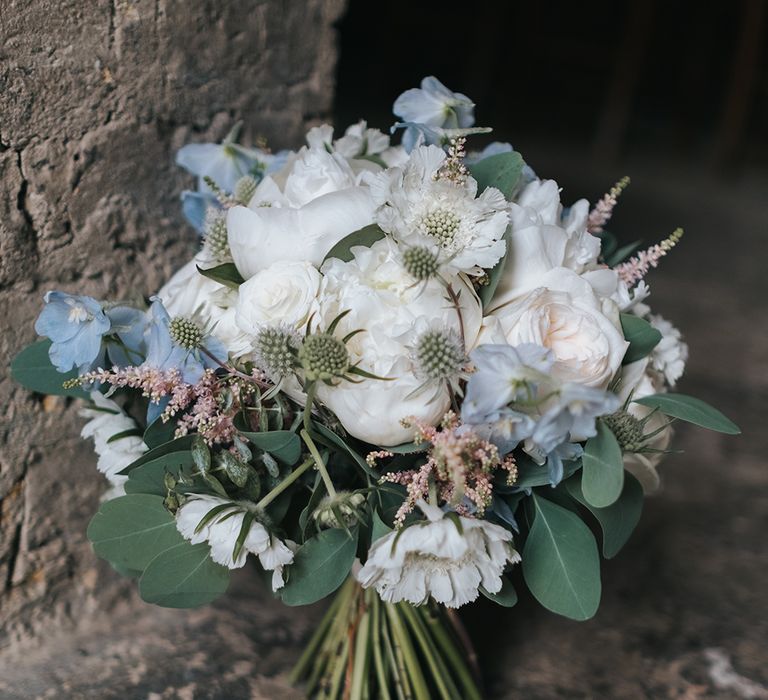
{"x": 195, "y": 205}
{"x": 128, "y": 344}
{"x": 75, "y": 325}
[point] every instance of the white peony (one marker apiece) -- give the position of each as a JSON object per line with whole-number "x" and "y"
{"x": 285, "y": 292}
{"x": 434, "y": 559}
{"x": 222, "y": 531}
{"x": 381, "y": 299}
{"x": 420, "y": 209}
{"x": 107, "y": 420}
{"x": 565, "y": 315}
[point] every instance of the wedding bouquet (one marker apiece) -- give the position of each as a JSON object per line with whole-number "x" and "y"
{"x": 405, "y": 373}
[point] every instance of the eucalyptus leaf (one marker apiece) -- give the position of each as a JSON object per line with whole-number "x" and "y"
{"x": 366, "y": 236}
{"x": 201, "y": 455}
{"x": 159, "y": 432}
{"x": 150, "y": 477}
{"x": 691, "y": 410}
{"x": 618, "y": 520}
{"x": 330, "y": 438}
{"x": 183, "y": 576}
{"x": 501, "y": 171}
{"x": 319, "y": 567}
{"x": 178, "y": 445}
{"x": 226, "y": 274}
{"x": 506, "y": 597}
{"x": 642, "y": 337}
{"x": 602, "y": 468}
{"x": 561, "y": 565}
{"x": 131, "y": 530}
{"x": 283, "y": 445}
{"x": 32, "y": 369}
{"x": 380, "y": 528}
{"x": 408, "y": 448}
{"x": 619, "y": 255}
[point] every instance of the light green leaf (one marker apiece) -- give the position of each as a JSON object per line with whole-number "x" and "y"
{"x": 149, "y": 477}
{"x": 158, "y": 433}
{"x": 501, "y": 171}
{"x": 642, "y": 337}
{"x": 281, "y": 444}
{"x": 618, "y": 520}
{"x": 408, "y": 448}
{"x": 561, "y": 565}
{"x": 366, "y": 236}
{"x": 131, "y": 530}
{"x": 329, "y": 438}
{"x": 380, "y": 528}
{"x": 691, "y": 410}
{"x": 506, "y": 597}
{"x": 178, "y": 445}
{"x": 183, "y": 576}
{"x": 602, "y": 468}
{"x": 32, "y": 369}
{"x": 319, "y": 567}
{"x": 226, "y": 274}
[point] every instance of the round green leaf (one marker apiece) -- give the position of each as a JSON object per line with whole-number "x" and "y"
{"x": 149, "y": 477}
{"x": 691, "y": 410}
{"x": 131, "y": 530}
{"x": 32, "y": 369}
{"x": 501, "y": 171}
{"x": 319, "y": 567}
{"x": 561, "y": 565}
{"x": 366, "y": 236}
{"x": 183, "y": 576}
{"x": 602, "y": 468}
{"x": 506, "y": 597}
{"x": 281, "y": 444}
{"x": 642, "y": 337}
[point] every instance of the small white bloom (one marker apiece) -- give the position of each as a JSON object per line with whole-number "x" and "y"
{"x": 433, "y": 559}
{"x": 420, "y": 209}
{"x": 222, "y": 531}
{"x": 671, "y": 354}
{"x": 565, "y": 315}
{"x": 107, "y": 421}
{"x": 285, "y": 292}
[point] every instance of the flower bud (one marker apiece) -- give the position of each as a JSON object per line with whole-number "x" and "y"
{"x": 215, "y": 232}
{"x": 627, "y": 429}
{"x": 323, "y": 357}
{"x": 421, "y": 263}
{"x": 344, "y": 505}
{"x": 185, "y": 333}
{"x": 244, "y": 189}
{"x": 439, "y": 355}
{"x": 276, "y": 348}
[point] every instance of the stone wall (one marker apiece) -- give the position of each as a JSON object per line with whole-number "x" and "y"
{"x": 95, "y": 97}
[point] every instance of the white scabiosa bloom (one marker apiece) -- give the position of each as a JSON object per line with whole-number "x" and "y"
{"x": 223, "y": 529}
{"x": 434, "y": 559}
{"x": 419, "y": 207}
{"x": 670, "y": 355}
{"x": 109, "y": 427}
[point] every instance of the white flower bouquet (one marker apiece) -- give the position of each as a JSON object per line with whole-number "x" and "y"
{"x": 402, "y": 373}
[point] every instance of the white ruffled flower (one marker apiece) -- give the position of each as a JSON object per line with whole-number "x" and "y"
{"x": 107, "y": 421}
{"x": 381, "y": 299}
{"x": 434, "y": 559}
{"x": 671, "y": 354}
{"x": 565, "y": 315}
{"x": 285, "y": 292}
{"x": 420, "y": 209}
{"x": 222, "y": 531}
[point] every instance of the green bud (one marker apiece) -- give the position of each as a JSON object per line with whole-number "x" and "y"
{"x": 627, "y": 429}
{"x": 185, "y": 333}
{"x": 421, "y": 263}
{"x": 323, "y": 357}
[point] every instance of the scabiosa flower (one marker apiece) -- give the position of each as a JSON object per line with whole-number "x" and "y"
{"x": 420, "y": 205}
{"x": 75, "y": 325}
{"x": 220, "y": 523}
{"x": 447, "y": 558}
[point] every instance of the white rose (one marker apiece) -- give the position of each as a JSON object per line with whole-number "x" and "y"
{"x": 285, "y": 292}
{"x": 565, "y": 315}
{"x": 382, "y": 300}
{"x": 188, "y": 292}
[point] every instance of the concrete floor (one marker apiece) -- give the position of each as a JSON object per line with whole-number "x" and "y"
{"x": 685, "y": 605}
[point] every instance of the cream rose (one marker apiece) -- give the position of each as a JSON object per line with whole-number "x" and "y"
{"x": 286, "y": 292}
{"x": 565, "y": 315}
{"x": 381, "y": 299}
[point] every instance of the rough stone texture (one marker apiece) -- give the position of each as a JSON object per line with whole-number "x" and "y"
{"x": 95, "y": 98}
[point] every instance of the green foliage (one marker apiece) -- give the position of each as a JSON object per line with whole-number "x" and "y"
{"x": 506, "y": 597}
{"x": 366, "y": 236}
{"x": 561, "y": 565}
{"x": 183, "y": 576}
{"x": 330, "y": 439}
{"x": 501, "y": 171}
{"x": 149, "y": 477}
{"x": 602, "y": 468}
{"x": 619, "y": 255}
{"x": 319, "y": 567}
{"x": 642, "y": 337}
{"x": 226, "y": 274}
{"x": 618, "y": 520}
{"x": 530, "y": 474}
{"x": 691, "y": 410}
{"x": 178, "y": 445}
{"x": 380, "y": 528}
{"x": 159, "y": 432}
{"x": 131, "y": 530}
{"x": 32, "y": 369}
{"x": 283, "y": 445}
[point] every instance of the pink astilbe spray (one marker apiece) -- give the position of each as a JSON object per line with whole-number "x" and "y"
{"x": 459, "y": 468}
{"x": 209, "y": 406}
{"x": 632, "y": 271}
{"x": 603, "y": 210}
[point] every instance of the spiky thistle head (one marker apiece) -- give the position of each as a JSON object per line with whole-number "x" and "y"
{"x": 215, "y": 232}
{"x": 420, "y": 263}
{"x": 323, "y": 357}
{"x": 343, "y": 510}
{"x": 627, "y": 429}
{"x": 276, "y": 350}
{"x": 185, "y": 332}
{"x": 245, "y": 188}
{"x": 439, "y": 355}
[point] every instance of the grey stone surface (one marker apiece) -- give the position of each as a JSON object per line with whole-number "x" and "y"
{"x": 95, "y": 97}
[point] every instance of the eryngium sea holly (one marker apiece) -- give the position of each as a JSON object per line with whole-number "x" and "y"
{"x": 185, "y": 333}
{"x": 276, "y": 350}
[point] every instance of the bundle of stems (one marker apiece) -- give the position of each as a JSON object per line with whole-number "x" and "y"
{"x": 364, "y": 648}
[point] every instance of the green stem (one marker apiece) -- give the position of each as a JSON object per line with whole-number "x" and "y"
{"x": 338, "y": 672}
{"x": 361, "y": 656}
{"x": 420, "y": 689}
{"x": 395, "y": 662}
{"x": 285, "y": 483}
{"x": 311, "y": 390}
{"x": 310, "y": 443}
